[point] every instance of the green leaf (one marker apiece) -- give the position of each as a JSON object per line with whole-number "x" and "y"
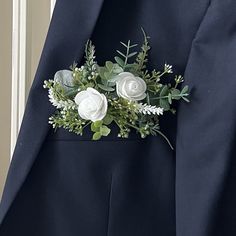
{"x": 101, "y": 71}
{"x": 104, "y": 130}
{"x": 71, "y": 93}
{"x": 175, "y": 94}
{"x": 107, "y": 119}
{"x": 107, "y": 75}
{"x": 98, "y": 123}
{"x": 94, "y": 128}
{"x": 119, "y": 61}
{"x": 169, "y": 98}
{"x": 106, "y": 88}
{"x": 133, "y": 65}
{"x": 164, "y": 104}
{"x": 97, "y": 136}
{"x": 122, "y": 54}
{"x": 104, "y": 82}
{"x": 109, "y": 65}
{"x": 124, "y": 44}
{"x": 133, "y": 45}
{"x": 110, "y": 83}
{"x": 185, "y": 89}
{"x": 148, "y": 99}
{"x": 185, "y": 99}
{"x": 113, "y": 79}
{"x": 117, "y": 69}
{"x": 132, "y": 54}
{"x": 164, "y": 91}
{"x": 129, "y": 46}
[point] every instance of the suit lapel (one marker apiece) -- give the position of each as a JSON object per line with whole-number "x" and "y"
{"x": 32, "y": 134}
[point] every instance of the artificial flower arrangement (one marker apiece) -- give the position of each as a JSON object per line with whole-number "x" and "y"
{"x": 123, "y": 92}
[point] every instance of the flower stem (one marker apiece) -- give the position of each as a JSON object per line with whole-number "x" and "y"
{"x": 175, "y": 96}
{"x": 168, "y": 141}
{"x": 88, "y": 123}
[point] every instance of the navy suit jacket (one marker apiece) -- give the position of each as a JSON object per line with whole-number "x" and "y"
{"x": 60, "y": 184}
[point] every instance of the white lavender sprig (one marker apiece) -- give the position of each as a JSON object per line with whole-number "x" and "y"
{"x": 149, "y": 109}
{"x": 60, "y": 104}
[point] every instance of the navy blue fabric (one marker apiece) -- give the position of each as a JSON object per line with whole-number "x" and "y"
{"x": 206, "y": 133}
{"x": 63, "y": 184}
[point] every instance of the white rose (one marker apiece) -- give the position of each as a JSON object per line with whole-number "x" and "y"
{"x": 130, "y": 87}
{"x": 92, "y": 105}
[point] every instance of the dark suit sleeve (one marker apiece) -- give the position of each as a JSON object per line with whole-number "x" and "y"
{"x": 206, "y": 130}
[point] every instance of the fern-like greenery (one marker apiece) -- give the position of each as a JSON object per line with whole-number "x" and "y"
{"x": 142, "y": 57}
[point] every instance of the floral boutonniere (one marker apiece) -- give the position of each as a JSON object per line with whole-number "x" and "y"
{"x": 123, "y": 92}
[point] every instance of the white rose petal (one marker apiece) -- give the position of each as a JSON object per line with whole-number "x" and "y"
{"x": 130, "y": 87}
{"x": 92, "y": 105}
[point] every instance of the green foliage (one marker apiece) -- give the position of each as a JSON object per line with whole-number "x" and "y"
{"x": 96, "y": 136}
{"x": 106, "y": 88}
{"x": 109, "y": 71}
{"x": 141, "y": 59}
{"x": 99, "y": 129}
{"x": 124, "y": 113}
{"x": 68, "y": 120}
{"x": 122, "y": 60}
{"x": 90, "y": 56}
{"x": 107, "y": 119}
{"x": 107, "y": 74}
{"x": 168, "y": 94}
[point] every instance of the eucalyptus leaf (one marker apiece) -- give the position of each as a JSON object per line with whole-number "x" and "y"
{"x": 109, "y": 65}
{"x": 108, "y": 75}
{"x": 107, "y": 119}
{"x": 104, "y": 82}
{"x": 176, "y": 94}
{"x": 111, "y": 83}
{"x": 185, "y": 99}
{"x": 185, "y": 89}
{"x": 164, "y": 104}
{"x": 113, "y": 79}
{"x": 164, "y": 91}
{"x": 101, "y": 71}
{"x": 97, "y": 136}
{"x": 94, "y": 128}
{"x": 106, "y": 88}
{"x": 104, "y": 130}
{"x": 117, "y": 69}
{"x": 98, "y": 123}
{"x": 119, "y": 61}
